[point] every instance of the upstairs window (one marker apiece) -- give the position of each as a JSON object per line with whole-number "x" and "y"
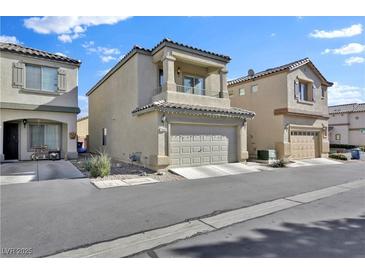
{"x": 160, "y": 77}
{"x": 194, "y": 85}
{"x": 254, "y": 88}
{"x": 303, "y": 91}
{"x": 41, "y": 78}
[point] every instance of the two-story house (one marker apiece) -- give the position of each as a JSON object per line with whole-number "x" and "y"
{"x": 290, "y": 103}
{"x": 167, "y": 106}
{"x": 38, "y": 102}
{"x": 347, "y": 124}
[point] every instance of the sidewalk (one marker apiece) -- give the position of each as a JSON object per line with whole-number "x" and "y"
{"x": 74, "y": 213}
{"x": 131, "y": 245}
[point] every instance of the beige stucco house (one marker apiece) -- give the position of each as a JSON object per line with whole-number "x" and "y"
{"x": 290, "y": 103}
{"x": 38, "y": 102}
{"x": 83, "y": 130}
{"x": 166, "y": 107}
{"x": 347, "y": 124}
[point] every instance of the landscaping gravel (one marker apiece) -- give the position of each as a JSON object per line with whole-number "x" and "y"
{"x": 121, "y": 170}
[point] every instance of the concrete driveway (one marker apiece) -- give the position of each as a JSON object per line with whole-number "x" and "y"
{"x": 209, "y": 171}
{"x": 33, "y": 171}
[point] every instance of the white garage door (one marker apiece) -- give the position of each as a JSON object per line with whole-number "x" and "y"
{"x": 194, "y": 145}
{"x": 304, "y": 144}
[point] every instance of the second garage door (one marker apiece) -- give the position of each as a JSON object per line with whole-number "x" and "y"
{"x": 194, "y": 145}
{"x": 304, "y": 144}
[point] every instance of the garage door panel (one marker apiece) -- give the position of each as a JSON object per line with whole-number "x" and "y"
{"x": 304, "y": 144}
{"x": 202, "y": 144}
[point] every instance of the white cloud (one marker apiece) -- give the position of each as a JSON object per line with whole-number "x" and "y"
{"x": 273, "y": 34}
{"x": 354, "y": 60}
{"x": 68, "y": 28}
{"x": 106, "y": 59}
{"x": 83, "y": 104}
{"x": 61, "y": 54}
{"x": 9, "y": 39}
{"x": 345, "y": 94}
{"x": 65, "y": 38}
{"x": 106, "y": 54}
{"x": 345, "y": 32}
{"x": 352, "y": 48}
{"x": 82, "y": 98}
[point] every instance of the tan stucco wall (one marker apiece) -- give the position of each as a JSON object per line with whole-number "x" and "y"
{"x": 83, "y": 128}
{"x": 265, "y": 130}
{"x": 68, "y": 120}
{"x": 11, "y": 94}
{"x": 110, "y": 107}
{"x": 320, "y": 104}
{"x": 135, "y": 84}
{"x": 269, "y": 131}
{"x": 348, "y": 125}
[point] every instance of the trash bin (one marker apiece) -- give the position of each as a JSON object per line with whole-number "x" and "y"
{"x": 355, "y": 154}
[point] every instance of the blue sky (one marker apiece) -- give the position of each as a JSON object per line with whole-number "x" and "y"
{"x": 336, "y": 45}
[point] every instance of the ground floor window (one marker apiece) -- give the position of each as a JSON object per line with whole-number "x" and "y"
{"x": 45, "y": 134}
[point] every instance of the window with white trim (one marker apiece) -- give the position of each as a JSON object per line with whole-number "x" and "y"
{"x": 41, "y": 78}
{"x": 254, "y": 88}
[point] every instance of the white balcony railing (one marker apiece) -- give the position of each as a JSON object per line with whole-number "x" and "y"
{"x": 192, "y": 90}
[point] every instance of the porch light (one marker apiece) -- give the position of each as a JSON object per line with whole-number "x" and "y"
{"x": 25, "y": 121}
{"x": 178, "y": 71}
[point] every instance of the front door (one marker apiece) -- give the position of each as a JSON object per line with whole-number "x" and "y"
{"x": 10, "y": 146}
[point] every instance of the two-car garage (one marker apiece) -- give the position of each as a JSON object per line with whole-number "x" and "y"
{"x": 200, "y": 144}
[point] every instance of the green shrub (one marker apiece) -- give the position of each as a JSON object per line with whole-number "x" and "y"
{"x": 338, "y": 156}
{"x": 342, "y": 146}
{"x": 87, "y": 165}
{"x": 100, "y": 165}
{"x": 278, "y": 164}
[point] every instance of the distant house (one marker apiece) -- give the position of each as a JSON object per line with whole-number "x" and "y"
{"x": 290, "y": 102}
{"x": 38, "y": 102}
{"x": 347, "y": 124}
{"x": 168, "y": 107}
{"x": 83, "y": 131}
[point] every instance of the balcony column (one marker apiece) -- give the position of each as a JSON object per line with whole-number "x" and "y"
{"x": 223, "y": 93}
{"x": 168, "y": 62}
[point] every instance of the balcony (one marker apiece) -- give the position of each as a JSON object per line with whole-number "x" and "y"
{"x": 191, "y": 95}
{"x": 192, "y": 90}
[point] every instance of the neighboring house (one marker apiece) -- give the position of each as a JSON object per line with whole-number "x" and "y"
{"x": 167, "y": 106}
{"x": 38, "y": 102}
{"x": 290, "y": 103}
{"x": 83, "y": 131}
{"x": 347, "y": 124}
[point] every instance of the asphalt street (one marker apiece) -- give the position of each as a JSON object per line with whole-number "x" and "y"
{"x": 53, "y": 216}
{"x": 328, "y": 228}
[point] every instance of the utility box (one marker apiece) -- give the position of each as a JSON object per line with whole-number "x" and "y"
{"x": 266, "y": 155}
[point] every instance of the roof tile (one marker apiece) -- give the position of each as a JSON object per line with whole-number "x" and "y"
{"x": 35, "y": 52}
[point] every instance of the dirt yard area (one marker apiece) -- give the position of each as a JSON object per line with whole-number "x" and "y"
{"x": 121, "y": 171}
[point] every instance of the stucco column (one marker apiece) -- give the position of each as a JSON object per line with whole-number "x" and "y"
{"x": 1, "y": 140}
{"x": 223, "y": 93}
{"x": 161, "y": 160}
{"x": 242, "y": 146}
{"x": 168, "y": 62}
